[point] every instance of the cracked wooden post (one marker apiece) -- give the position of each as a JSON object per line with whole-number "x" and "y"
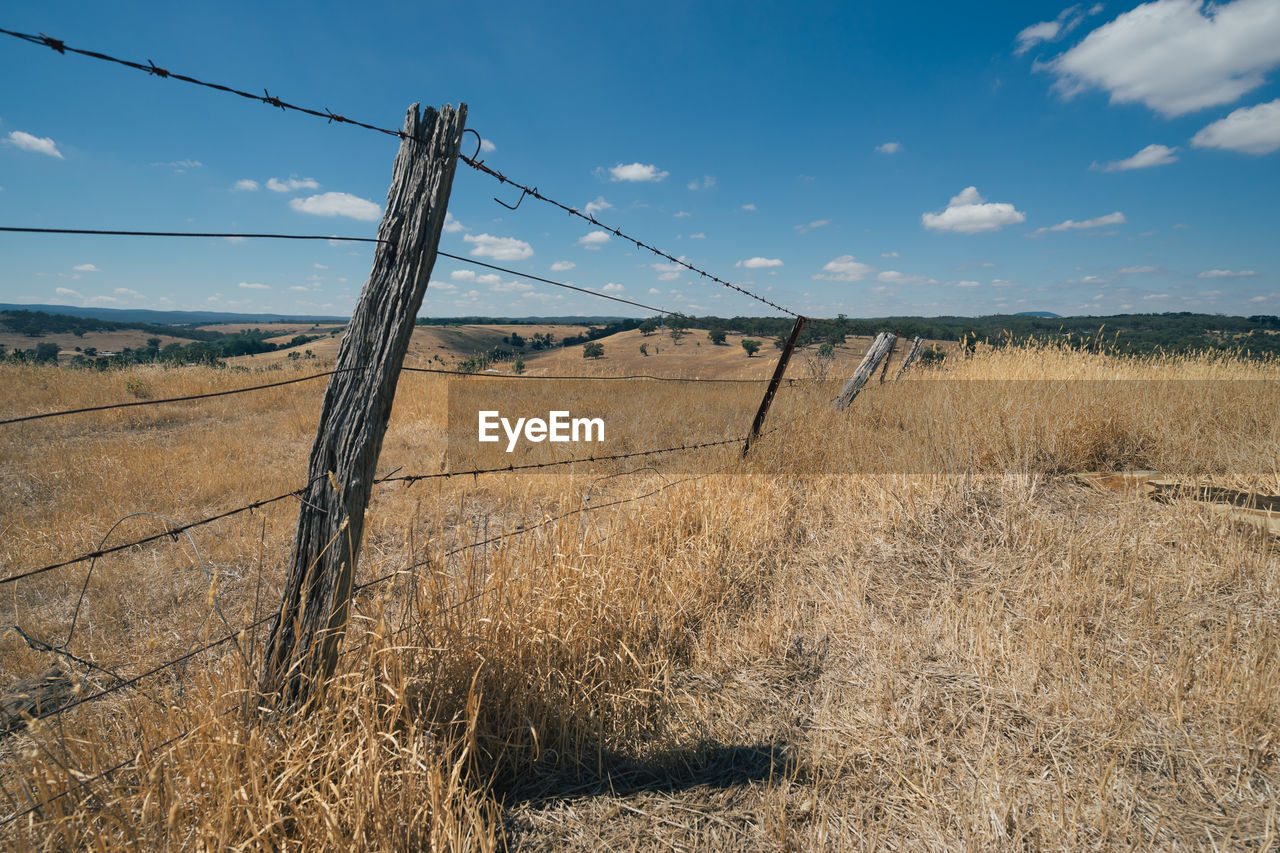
{"x": 779, "y": 370}
{"x": 302, "y": 650}
{"x": 875, "y": 354}
{"x": 912, "y": 354}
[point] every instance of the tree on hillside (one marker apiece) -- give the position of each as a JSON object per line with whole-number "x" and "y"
{"x": 593, "y": 349}
{"x": 644, "y": 349}
{"x": 752, "y": 347}
{"x": 648, "y": 327}
{"x": 47, "y": 352}
{"x": 717, "y": 336}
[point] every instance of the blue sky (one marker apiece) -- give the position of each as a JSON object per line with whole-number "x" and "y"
{"x": 866, "y": 159}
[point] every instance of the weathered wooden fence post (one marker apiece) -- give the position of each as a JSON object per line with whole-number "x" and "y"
{"x": 303, "y": 648}
{"x": 884, "y": 371}
{"x": 778, "y": 371}
{"x": 912, "y": 353}
{"x": 875, "y": 354}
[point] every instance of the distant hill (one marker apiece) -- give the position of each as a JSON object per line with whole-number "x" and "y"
{"x": 1037, "y": 314}
{"x": 173, "y": 318}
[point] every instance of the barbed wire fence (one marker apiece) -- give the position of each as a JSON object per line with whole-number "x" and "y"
{"x": 172, "y": 529}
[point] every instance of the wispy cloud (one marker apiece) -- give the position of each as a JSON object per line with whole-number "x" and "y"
{"x": 844, "y": 268}
{"x": 1045, "y": 31}
{"x": 1250, "y": 130}
{"x": 86, "y": 268}
{"x": 706, "y": 183}
{"x": 1152, "y": 155}
{"x": 748, "y": 206}
{"x": 759, "y": 263}
{"x": 253, "y": 285}
{"x": 562, "y": 266}
{"x": 889, "y": 148}
{"x": 244, "y": 185}
{"x": 337, "y": 204}
{"x": 1116, "y": 218}
{"x": 594, "y": 207}
{"x": 593, "y": 239}
{"x": 292, "y": 184}
{"x": 817, "y": 223}
{"x": 1227, "y": 274}
{"x": 38, "y": 144}
{"x": 636, "y": 173}
{"x": 498, "y": 248}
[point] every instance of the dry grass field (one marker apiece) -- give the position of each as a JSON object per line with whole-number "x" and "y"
{"x": 967, "y": 650}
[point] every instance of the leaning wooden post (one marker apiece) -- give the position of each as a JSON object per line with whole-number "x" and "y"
{"x": 875, "y": 354}
{"x": 303, "y": 648}
{"x": 888, "y": 357}
{"x": 912, "y": 353}
{"x": 778, "y": 371}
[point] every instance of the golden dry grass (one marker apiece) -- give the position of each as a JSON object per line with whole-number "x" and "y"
{"x": 790, "y": 654}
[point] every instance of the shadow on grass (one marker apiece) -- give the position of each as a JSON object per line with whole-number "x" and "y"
{"x": 708, "y": 765}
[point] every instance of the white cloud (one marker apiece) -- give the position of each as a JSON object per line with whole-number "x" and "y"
{"x": 889, "y": 255}
{"x": 1068, "y": 19}
{"x": 1259, "y": 298}
{"x": 244, "y": 185}
{"x": 126, "y": 291}
{"x": 477, "y": 278}
{"x": 594, "y": 207}
{"x": 487, "y": 145}
{"x": 1136, "y": 270}
{"x": 181, "y": 166}
{"x": 748, "y": 207}
{"x": 1176, "y": 56}
{"x": 653, "y": 291}
{"x": 844, "y": 268}
{"x": 511, "y": 287}
{"x": 967, "y": 213}
{"x": 817, "y": 223}
{"x": 1253, "y": 130}
{"x": 338, "y": 204}
{"x": 1000, "y": 282}
{"x": 1156, "y": 296}
{"x": 561, "y": 266}
{"x": 668, "y": 272}
{"x": 38, "y": 144}
{"x": 593, "y": 239}
{"x": 1116, "y": 218}
{"x": 86, "y": 268}
{"x": 889, "y": 148}
{"x": 683, "y": 214}
{"x": 499, "y": 248}
{"x": 300, "y": 288}
{"x": 451, "y": 225}
{"x": 611, "y": 287}
{"x": 968, "y": 283}
{"x": 706, "y": 183}
{"x": 698, "y": 236}
{"x": 636, "y": 172}
{"x": 253, "y": 285}
{"x": 319, "y": 266}
{"x": 292, "y": 184}
{"x": 895, "y": 277}
{"x": 1227, "y": 274}
{"x": 759, "y": 263}
{"x": 1152, "y": 155}
{"x": 68, "y": 293}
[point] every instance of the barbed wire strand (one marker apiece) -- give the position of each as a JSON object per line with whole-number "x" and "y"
{"x": 406, "y": 479}
{"x": 564, "y": 285}
{"x": 479, "y": 165}
{"x": 357, "y": 591}
{"x": 157, "y": 402}
{"x": 470, "y": 375}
